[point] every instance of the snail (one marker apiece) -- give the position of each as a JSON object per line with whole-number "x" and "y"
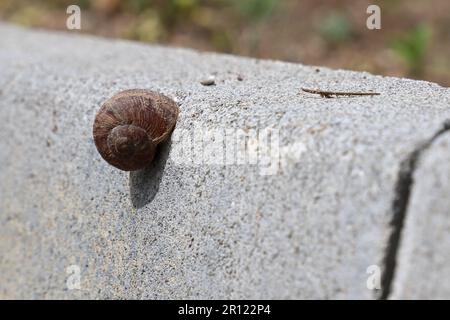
{"x": 130, "y": 125}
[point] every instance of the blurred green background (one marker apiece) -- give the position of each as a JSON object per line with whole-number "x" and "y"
{"x": 413, "y": 40}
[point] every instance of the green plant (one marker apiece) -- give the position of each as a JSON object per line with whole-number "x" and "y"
{"x": 412, "y": 48}
{"x": 335, "y": 28}
{"x": 29, "y": 16}
{"x": 137, "y": 6}
{"x": 255, "y": 10}
{"x": 175, "y": 11}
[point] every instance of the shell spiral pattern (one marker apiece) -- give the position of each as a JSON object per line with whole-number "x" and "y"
{"x": 129, "y": 126}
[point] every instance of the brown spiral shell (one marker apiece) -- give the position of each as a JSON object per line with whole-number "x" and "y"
{"x": 129, "y": 126}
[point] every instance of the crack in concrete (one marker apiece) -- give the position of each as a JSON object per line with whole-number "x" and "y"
{"x": 405, "y": 182}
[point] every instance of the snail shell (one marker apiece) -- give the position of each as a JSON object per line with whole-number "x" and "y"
{"x": 129, "y": 126}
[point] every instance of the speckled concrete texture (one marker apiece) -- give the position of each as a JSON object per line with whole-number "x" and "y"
{"x": 423, "y": 267}
{"x": 198, "y": 230}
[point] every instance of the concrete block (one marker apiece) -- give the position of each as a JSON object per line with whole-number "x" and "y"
{"x": 423, "y": 267}
{"x": 194, "y": 227}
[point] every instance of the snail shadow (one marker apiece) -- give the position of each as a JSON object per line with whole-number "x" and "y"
{"x": 144, "y": 184}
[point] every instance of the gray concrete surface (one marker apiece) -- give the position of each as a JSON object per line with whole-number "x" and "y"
{"x": 423, "y": 270}
{"x": 200, "y": 230}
